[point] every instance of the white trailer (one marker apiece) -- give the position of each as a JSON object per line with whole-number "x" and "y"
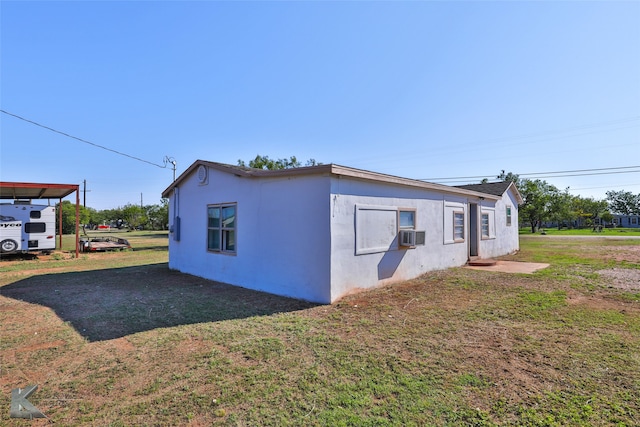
{"x": 27, "y": 228}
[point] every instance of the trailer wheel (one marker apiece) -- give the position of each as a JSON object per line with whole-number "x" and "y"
{"x": 8, "y": 245}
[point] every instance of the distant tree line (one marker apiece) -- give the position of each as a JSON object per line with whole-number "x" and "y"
{"x": 264, "y": 162}
{"x": 544, "y": 202}
{"x": 131, "y": 216}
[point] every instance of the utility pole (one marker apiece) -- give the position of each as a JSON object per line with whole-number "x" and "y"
{"x": 84, "y": 193}
{"x": 141, "y": 207}
{"x": 171, "y": 160}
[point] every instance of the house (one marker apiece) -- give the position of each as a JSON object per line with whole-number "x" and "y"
{"x": 319, "y": 233}
{"x": 630, "y": 221}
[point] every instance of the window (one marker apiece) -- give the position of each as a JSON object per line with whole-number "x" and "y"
{"x": 35, "y": 227}
{"x": 508, "y": 215}
{"x": 35, "y": 214}
{"x": 453, "y": 221}
{"x": 634, "y": 220}
{"x": 408, "y": 237}
{"x": 484, "y": 225}
{"x": 458, "y": 226}
{"x": 406, "y": 219}
{"x": 221, "y": 228}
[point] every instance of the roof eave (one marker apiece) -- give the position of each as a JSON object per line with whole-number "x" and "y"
{"x": 332, "y": 169}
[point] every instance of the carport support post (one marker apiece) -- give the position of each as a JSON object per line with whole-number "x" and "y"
{"x": 77, "y": 217}
{"x": 60, "y": 223}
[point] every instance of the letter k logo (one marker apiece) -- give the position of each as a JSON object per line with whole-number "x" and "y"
{"x": 21, "y": 407}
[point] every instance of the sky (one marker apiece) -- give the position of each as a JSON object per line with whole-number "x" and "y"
{"x": 448, "y": 92}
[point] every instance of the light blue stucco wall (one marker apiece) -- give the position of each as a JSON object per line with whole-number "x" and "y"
{"x": 283, "y": 239}
{"x": 352, "y": 271}
{"x": 306, "y": 236}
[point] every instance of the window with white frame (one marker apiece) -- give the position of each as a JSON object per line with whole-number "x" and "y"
{"x": 487, "y": 223}
{"x": 634, "y": 220}
{"x": 458, "y": 226}
{"x": 221, "y": 228}
{"x": 508, "y": 215}
{"x": 406, "y": 219}
{"x": 484, "y": 225}
{"x": 454, "y": 221}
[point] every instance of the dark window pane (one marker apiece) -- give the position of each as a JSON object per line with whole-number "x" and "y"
{"x": 214, "y": 217}
{"x": 229, "y": 240}
{"x": 229, "y": 216}
{"x": 213, "y": 240}
{"x": 35, "y": 227}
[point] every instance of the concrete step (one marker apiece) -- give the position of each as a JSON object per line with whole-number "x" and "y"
{"x": 478, "y": 262}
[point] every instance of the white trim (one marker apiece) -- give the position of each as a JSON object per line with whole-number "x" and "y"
{"x": 386, "y": 233}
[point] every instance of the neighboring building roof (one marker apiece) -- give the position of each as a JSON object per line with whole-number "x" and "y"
{"x": 495, "y": 188}
{"x": 331, "y": 169}
{"x": 30, "y": 190}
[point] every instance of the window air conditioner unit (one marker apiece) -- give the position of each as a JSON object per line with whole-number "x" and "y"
{"x": 411, "y": 238}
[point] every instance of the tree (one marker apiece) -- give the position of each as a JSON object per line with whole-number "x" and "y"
{"x": 108, "y": 216}
{"x": 624, "y": 202}
{"x": 509, "y": 176}
{"x": 69, "y": 216}
{"x": 560, "y": 204}
{"x": 264, "y": 162}
{"x": 133, "y": 215}
{"x": 607, "y": 217}
{"x": 537, "y": 197}
{"x": 588, "y": 209}
{"x": 158, "y": 215}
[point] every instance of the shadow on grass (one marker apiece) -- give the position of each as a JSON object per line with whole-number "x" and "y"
{"x": 151, "y": 248}
{"x": 112, "y": 303}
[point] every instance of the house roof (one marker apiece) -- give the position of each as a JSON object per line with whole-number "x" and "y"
{"x": 329, "y": 169}
{"x": 30, "y": 190}
{"x": 495, "y": 188}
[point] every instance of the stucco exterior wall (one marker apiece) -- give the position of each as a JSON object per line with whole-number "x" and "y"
{"x": 283, "y": 238}
{"x": 506, "y": 238}
{"x": 321, "y": 236}
{"x": 353, "y": 269}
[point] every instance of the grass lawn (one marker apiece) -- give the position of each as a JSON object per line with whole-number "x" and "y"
{"x": 116, "y": 339}
{"x": 610, "y": 232}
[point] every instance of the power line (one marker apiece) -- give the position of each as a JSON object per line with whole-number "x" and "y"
{"x": 604, "y": 186}
{"x": 522, "y": 139}
{"x": 551, "y": 174}
{"x": 84, "y": 140}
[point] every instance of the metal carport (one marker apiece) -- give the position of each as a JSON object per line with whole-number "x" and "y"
{"x": 31, "y": 191}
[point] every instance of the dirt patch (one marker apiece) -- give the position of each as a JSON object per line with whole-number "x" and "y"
{"x": 626, "y": 253}
{"x": 123, "y": 344}
{"x": 41, "y": 346}
{"x": 623, "y": 278}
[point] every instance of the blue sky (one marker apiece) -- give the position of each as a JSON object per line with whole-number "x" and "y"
{"x": 417, "y": 89}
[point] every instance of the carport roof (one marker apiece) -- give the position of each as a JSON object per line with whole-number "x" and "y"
{"x": 30, "y": 190}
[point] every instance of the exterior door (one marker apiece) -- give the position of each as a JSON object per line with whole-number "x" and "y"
{"x": 473, "y": 230}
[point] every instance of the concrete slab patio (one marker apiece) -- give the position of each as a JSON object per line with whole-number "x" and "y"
{"x": 511, "y": 267}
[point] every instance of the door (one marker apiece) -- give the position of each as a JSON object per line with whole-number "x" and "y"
{"x": 473, "y": 230}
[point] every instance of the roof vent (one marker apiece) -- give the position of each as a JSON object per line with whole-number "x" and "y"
{"x": 202, "y": 174}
